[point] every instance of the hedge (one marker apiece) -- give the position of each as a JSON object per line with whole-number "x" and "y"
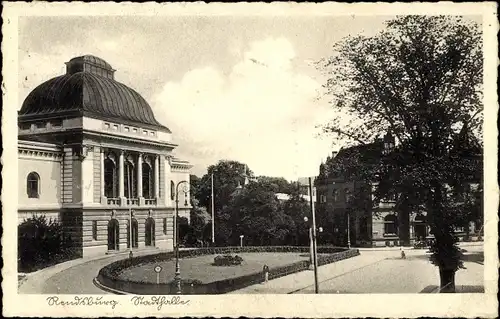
{"x": 41, "y": 243}
{"x": 108, "y": 276}
{"x": 227, "y": 260}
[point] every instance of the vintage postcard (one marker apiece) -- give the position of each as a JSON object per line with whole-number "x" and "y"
{"x": 249, "y": 159}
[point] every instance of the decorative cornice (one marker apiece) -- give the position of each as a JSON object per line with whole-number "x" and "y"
{"x": 178, "y": 164}
{"x": 40, "y": 153}
{"x": 180, "y": 167}
{"x": 130, "y": 139}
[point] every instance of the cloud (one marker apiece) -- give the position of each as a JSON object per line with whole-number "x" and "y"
{"x": 263, "y": 113}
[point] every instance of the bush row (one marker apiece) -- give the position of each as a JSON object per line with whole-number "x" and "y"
{"x": 108, "y": 276}
{"x": 114, "y": 269}
{"x": 41, "y": 243}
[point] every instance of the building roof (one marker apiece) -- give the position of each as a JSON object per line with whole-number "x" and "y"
{"x": 304, "y": 181}
{"x": 88, "y": 89}
{"x": 353, "y": 162}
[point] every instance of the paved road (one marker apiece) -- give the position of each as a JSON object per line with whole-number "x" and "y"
{"x": 77, "y": 279}
{"x": 371, "y": 272}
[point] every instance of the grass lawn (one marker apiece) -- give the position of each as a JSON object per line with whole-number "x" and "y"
{"x": 201, "y": 267}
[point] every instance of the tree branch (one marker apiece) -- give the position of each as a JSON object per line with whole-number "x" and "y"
{"x": 339, "y": 131}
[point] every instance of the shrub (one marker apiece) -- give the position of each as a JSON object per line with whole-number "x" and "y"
{"x": 108, "y": 276}
{"x": 42, "y": 243}
{"x": 227, "y": 260}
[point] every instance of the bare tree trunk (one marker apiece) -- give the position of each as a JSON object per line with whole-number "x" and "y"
{"x": 467, "y": 231}
{"x": 447, "y": 277}
{"x": 444, "y": 242}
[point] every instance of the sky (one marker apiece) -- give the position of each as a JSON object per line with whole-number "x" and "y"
{"x": 238, "y": 88}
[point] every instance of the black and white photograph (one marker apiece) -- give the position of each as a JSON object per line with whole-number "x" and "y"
{"x": 157, "y": 156}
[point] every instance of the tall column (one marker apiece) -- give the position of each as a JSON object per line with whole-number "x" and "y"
{"x": 139, "y": 179}
{"x": 412, "y": 231}
{"x": 157, "y": 177}
{"x": 121, "y": 180}
{"x": 103, "y": 194}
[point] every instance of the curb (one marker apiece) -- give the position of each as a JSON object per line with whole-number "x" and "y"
{"x": 96, "y": 282}
{"x": 45, "y": 274}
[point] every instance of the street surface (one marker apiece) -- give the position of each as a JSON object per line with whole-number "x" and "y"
{"x": 374, "y": 271}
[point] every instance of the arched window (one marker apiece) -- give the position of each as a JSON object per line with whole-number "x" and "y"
{"x": 420, "y": 227}
{"x": 390, "y": 224}
{"x": 363, "y": 228}
{"x": 110, "y": 176}
{"x": 33, "y": 185}
{"x": 347, "y": 194}
{"x": 149, "y": 232}
{"x": 172, "y": 190}
{"x": 147, "y": 181}
{"x": 335, "y": 195}
{"x": 130, "y": 177}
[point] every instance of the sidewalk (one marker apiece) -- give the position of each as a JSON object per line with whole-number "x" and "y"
{"x": 373, "y": 271}
{"x": 33, "y": 283}
{"x": 291, "y": 283}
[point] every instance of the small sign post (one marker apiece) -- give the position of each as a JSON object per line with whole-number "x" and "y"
{"x": 157, "y": 271}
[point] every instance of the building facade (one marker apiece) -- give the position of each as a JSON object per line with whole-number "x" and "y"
{"x": 93, "y": 156}
{"x": 303, "y": 183}
{"x": 346, "y": 203}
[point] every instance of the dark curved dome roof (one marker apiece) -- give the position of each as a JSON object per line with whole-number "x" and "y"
{"x": 88, "y": 89}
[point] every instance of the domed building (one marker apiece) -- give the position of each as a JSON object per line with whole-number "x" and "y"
{"x": 93, "y": 156}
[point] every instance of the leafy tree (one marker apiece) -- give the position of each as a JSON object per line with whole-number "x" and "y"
{"x": 194, "y": 185}
{"x": 421, "y": 79}
{"x": 227, "y": 176}
{"x": 42, "y": 243}
{"x": 199, "y": 219}
{"x": 256, "y": 213}
{"x": 297, "y": 208}
{"x": 278, "y": 184}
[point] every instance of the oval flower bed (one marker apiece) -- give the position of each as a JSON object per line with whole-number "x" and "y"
{"x": 111, "y": 275}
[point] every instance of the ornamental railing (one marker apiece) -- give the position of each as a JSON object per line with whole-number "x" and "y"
{"x": 132, "y": 201}
{"x": 113, "y": 201}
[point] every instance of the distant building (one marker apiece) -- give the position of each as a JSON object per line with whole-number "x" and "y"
{"x": 304, "y": 187}
{"x": 90, "y": 151}
{"x": 369, "y": 224}
{"x": 282, "y": 197}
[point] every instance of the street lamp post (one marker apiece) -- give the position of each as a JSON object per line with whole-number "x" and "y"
{"x": 311, "y": 245}
{"x": 348, "y": 231}
{"x": 176, "y": 231}
{"x": 313, "y": 232}
{"x": 241, "y": 240}
{"x": 212, "y": 209}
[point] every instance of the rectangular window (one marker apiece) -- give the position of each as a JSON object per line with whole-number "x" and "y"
{"x": 106, "y": 126}
{"x": 164, "y": 226}
{"x": 135, "y": 130}
{"x": 145, "y": 132}
{"x": 115, "y": 127}
{"x": 94, "y": 229}
{"x": 25, "y": 126}
{"x": 152, "y": 133}
{"x": 41, "y": 125}
{"x": 127, "y": 129}
{"x": 56, "y": 123}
